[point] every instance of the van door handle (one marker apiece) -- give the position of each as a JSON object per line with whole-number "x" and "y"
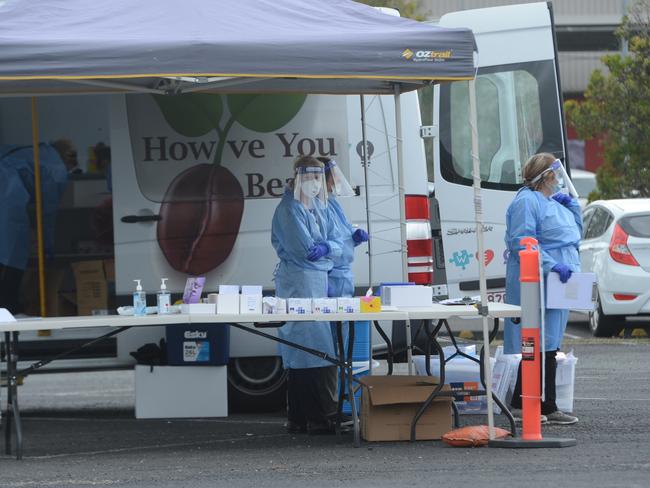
{"x": 133, "y": 219}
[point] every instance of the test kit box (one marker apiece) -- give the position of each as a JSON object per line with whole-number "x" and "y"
{"x": 324, "y": 305}
{"x": 407, "y": 296}
{"x": 389, "y": 403}
{"x": 300, "y": 306}
{"x": 348, "y": 305}
{"x": 250, "y": 304}
{"x": 274, "y": 305}
{"x": 180, "y": 391}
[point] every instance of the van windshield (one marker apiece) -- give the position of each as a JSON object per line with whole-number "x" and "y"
{"x": 515, "y": 121}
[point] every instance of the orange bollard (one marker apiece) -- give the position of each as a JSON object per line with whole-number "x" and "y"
{"x": 531, "y": 382}
{"x": 531, "y": 387}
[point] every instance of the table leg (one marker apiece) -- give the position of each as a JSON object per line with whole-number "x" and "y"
{"x": 6, "y": 421}
{"x": 341, "y": 355}
{"x": 409, "y": 347}
{"x": 441, "y": 380}
{"x": 12, "y": 396}
{"x": 389, "y": 345}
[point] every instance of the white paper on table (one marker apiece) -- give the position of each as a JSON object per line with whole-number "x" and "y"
{"x": 5, "y": 316}
{"x": 576, "y": 294}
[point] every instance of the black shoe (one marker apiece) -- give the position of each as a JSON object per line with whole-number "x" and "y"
{"x": 295, "y": 427}
{"x": 325, "y": 428}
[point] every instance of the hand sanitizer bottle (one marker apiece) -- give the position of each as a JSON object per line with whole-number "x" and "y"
{"x": 139, "y": 300}
{"x": 163, "y": 298}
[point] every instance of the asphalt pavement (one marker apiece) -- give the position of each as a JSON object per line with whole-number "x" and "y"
{"x": 80, "y": 431}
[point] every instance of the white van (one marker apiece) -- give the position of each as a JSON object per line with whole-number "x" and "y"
{"x": 196, "y": 179}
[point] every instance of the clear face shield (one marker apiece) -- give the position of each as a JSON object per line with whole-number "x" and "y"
{"x": 564, "y": 183}
{"x": 309, "y": 185}
{"x": 337, "y": 181}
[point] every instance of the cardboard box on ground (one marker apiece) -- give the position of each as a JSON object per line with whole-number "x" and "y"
{"x": 389, "y": 403}
{"x": 75, "y": 288}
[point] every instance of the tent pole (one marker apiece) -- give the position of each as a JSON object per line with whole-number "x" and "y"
{"x": 478, "y": 213}
{"x": 400, "y": 182}
{"x": 364, "y": 156}
{"x": 39, "y": 208}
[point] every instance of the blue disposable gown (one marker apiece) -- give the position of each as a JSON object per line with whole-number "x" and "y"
{"x": 17, "y": 173}
{"x": 294, "y": 230}
{"x": 341, "y": 280}
{"x": 558, "y": 230}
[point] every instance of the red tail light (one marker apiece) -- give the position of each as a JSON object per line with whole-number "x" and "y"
{"x": 622, "y": 297}
{"x": 418, "y": 240}
{"x": 618, "y": 249}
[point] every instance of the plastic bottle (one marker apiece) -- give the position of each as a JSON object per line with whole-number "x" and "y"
{"x": 163, "y": 298}
{"x": 139, "y": 300}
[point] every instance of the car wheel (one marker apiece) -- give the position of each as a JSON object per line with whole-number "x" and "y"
{"x": 602, "y": 325}
{"x": 256, "y": 384}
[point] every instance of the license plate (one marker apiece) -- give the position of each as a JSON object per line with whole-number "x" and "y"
{"x": 496, "y": 296}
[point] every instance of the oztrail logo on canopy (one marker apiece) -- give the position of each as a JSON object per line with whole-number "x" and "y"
{"x": 427, "y": 55}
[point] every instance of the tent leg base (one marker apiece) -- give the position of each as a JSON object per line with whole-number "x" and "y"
{"x": 519, "y": 443}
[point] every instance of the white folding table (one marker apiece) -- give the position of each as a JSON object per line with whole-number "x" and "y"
{"x": 251, "y": 323}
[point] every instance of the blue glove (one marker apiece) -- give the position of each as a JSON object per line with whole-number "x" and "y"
{"x": 317, "y": 251}
{"x": 359, "y": 236}
{"x": 563, "y": 270}
{"x": 562, "y": 198}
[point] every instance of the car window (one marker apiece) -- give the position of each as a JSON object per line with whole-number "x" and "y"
{"x": 586, "y": 219}
{"x": 636, "y": 225}
{"x": 599, "y": 223}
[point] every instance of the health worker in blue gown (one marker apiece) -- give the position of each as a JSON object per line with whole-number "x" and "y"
{"x": 340, "y": 277}
{"x": 17, "y": 192}
{"x": 542, "y": 211}
{"x": 304, "y": 239}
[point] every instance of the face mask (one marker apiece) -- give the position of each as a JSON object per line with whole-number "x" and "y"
{"x": 310, "y": 188}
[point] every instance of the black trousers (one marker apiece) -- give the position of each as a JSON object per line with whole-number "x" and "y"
{"x": 548, "y": 405}
{"x": 312, "y": 395}
{"x": 10, "y": 279}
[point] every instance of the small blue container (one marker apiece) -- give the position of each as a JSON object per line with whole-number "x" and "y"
{"x": 198, "y": 344}
{"x": 360, "y": 359}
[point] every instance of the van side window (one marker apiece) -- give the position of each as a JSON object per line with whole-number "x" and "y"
{"x": 513, "y": 123}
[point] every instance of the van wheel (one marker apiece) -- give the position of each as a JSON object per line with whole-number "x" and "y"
{"x": 256, "y": 384}
{"x": 602, "y": 325}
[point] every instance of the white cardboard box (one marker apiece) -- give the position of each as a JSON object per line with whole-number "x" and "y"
{"x": 300, "y": 306}
{"x": 324, "y": 305}
{"x": 228, "y": 304}
{"x": 274, "y": 305}
{"x": 348, "y": 305}
{"x": 180, "y": 391}
{"x": 405, "y": 296}
{"x": 250, "y": 304}
{"x": 199, "y": 308}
